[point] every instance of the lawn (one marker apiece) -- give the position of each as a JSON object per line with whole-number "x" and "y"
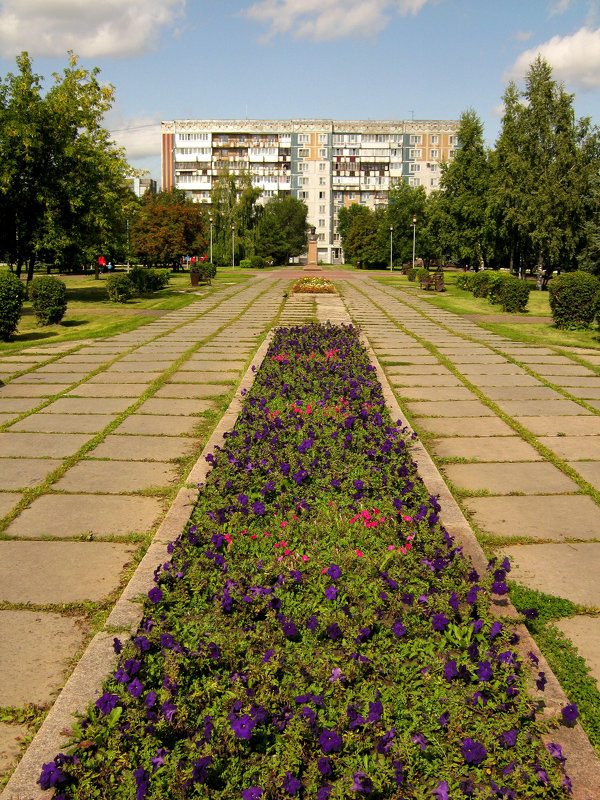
{"x": 90, "y": 314}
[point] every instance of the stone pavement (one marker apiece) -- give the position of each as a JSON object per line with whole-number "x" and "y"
{"x": 515, "y": 430}
{"x": 114, "y": 422}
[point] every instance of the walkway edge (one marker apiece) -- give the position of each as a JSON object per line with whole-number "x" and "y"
{"x": 84, "y": 683}
{"x": 583, "y": 765}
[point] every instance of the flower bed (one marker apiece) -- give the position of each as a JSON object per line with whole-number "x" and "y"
{"x": 313, "y": 285}
{"x": 317, "y": 633}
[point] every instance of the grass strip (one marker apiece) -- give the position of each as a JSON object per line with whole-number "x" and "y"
{"x": 317, "y": 632}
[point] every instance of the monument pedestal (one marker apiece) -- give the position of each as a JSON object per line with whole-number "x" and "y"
{"x": 313, "y": 258}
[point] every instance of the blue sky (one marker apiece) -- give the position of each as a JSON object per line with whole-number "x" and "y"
{"x": 276, "y": 59}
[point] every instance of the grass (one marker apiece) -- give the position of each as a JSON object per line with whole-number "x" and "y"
{"x": 90, "y": 314}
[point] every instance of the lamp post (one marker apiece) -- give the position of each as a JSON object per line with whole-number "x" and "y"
{"x": 391, "y": 248}
{"x": 210, "y": 219}
{"x": 414, "y": 223}
{"x": 232, "y": 246}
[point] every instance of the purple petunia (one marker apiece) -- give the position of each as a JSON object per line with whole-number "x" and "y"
{"x": 155, "y": 595}
{"x": 439, "y": 622}
{"x": 334, "y": 572}
{"x": 334, "y": 631}
{"x": 291, "y": 785}
{"x": 243, "y": 727}
{"x": 51, "y": 776}
{"x": 331, "y": 592}
{"x": 361, "y": 783}
{"x": 450, "y": 670}
{"x": 323, "y": 792}
{"x": 418, "y": 738}
{"x": 484, "y": 671}
{"x": 324, "y": 766}
{"x": 253, "y": 793}
{"x": 107, "y": 702}
{"x": 200, "y": 770}
{"x": 473, "y": 752}
{"x": 509, "y": 738}
{"x": 142, "y": 782}
{"x": 330, "y": 741}
{"x": 168, "y": 711}
{"x": 398, "y": 629}
{"x": 290, "y": 631}
{"x": 570, "y": 714}
{"x": 442, "y": 791}
{"x": 135, "y": 688}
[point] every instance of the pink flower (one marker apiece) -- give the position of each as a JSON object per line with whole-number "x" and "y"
{"x": 253, "y": 536}
{"x": 359, "y": 553}
{"x": 283, "y": 524}
{"x": 304, "y": 558}
{"x": 407, "y": 519}
{"x": 391, "y": 547}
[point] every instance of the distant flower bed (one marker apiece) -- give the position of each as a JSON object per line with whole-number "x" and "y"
{"x": 317, "y": 633}
{"x": 314, "y": 285}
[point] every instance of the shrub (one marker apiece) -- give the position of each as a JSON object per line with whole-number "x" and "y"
{"x": 411, "y": 274}
{"x": 147, "y": 281}
{"x": 246, "y": 263}
{"x": 12, "y": 294}
{"x": 120, "y": 288}
{"x": 515, "y": 295}
{"x": 422, "y": 274}
{"x": 574, "y": 299}
{"x": 465, "y": 281}
{"x": 480, "y": 283}
{"x": 258, "y": 262}
{"x": 48, "y": 297}
{"x": 495, "y": 286}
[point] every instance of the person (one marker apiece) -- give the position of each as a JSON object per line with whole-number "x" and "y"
{"x": 102, "y": 263}
{"x": 109, "y": 267}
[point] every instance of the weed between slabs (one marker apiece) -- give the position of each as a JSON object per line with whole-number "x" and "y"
{"x": 317, "y": 633}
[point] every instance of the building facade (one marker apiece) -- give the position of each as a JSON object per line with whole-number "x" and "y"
{"x": 329, "y": 164}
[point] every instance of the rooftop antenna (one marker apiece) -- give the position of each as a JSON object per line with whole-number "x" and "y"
{"x": 412, "y": 114}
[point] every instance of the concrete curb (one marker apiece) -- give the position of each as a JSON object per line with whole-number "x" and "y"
{"x": 583, "y": 765}
{"x": 98, "y": 660}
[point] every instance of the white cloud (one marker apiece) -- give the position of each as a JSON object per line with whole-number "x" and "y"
{"x": 574, "y": 59}
{"x": 140, "y": 136}
{"x": 559, "y": 7}
{"x": 91, "y": 28}
{"x": 321, "y": 20}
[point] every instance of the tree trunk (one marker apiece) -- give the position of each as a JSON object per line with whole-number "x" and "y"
{"x": 30, "y": 267}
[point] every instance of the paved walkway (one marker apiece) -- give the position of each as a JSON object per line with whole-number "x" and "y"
{"x": 95, "y": 435}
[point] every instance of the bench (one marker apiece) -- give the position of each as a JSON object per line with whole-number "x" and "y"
{"x": 434, "y": 281}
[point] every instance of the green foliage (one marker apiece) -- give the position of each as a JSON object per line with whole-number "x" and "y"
{"x": 422, "y": 274}
{"x": 120, "y": 288}
{"x": 574, "y": 299}
{"x": 411, "y": 274}
{"x": 514, "y": 295}
{"x": 12, "y": 294}
{"x": 246, "y": 263}
{"x": 258, "y": 262}
{"x": 495, "y": 286}
{"x": 480, "y": 283}
{"x": 464, "y": 280}
{"x": 282, "y": 230}
{"x": 48, "y": 297}
{"x": 207, "y": 270}
{"x": 148, "y": 281}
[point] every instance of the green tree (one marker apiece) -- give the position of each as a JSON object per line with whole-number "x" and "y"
{"x": 234, "y": 204}
{"x": 404, "y": 202}
{"x": 282, "y": 229}
{"x": 362, "y": 237}
{"x": 465, "y": 182}
{"x": 168, "y": 228}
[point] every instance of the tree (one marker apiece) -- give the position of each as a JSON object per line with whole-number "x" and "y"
{"x": 465, "y": 182}
{"x": 404, "y": 202}
{"x": 361, "y": 239}
{"x": 61, "y": 176}
{"x": 169, "y": 227}
{"x": 234, "y": 203}
{"x": 282, "y": 229}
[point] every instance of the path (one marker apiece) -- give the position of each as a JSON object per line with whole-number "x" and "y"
{"x": 94, "y": 436}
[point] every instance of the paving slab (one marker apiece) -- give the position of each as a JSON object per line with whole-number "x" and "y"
{"x": 215, "y": 365}
{"x": 64, "y": 423}
{"x": 175, "y": 407}
{"x": 594, "y": 403}
{"x": 491, "y": 369}
{"x": 23, "y": 473}
{"x": 538, "y": 392}
{"x": 564, "y": 570}
{"x": 88, "y": 357}
{"x": 436, "y": 393}
{"x": 589, "y": 471}
{"x": 425, "y": 380}
{"x": 11, "y": 737}
{"x": 592, "y": 393}
{"x": 191, "y": 376}
{"x": 88, "y": 405}
{"x": 483, "y": 380}
{"x": 13, "y": 389}
{"x": 564, "y": 426}
{"x": 40, "y": 445}
{"x": 459, "y": 426}
{"x": 424, "y": 369}
{"x": 60, "y": 572}
{"x": 45, "y": 378}
{"x": 142, "y": 378}
{"x": 141, "y": 366}
{"x": 106, "y": 390}
{"x": 69, "y": 515}
{"x": 506, "y": 478}
{"x": 490, "y": 448}
{"x": 35, "y": 650}
{"x": 188, "y": 391}
{"x": 550, "y": 517}
{"x": 143, "y": 448}
{"x": 155, "y": 425}
{"x": 8, "y": 500}
{"x": 586, "y": 382}
{"x": 450, "y": 408}
{"x": 560, "y": 407}
{"x": 114, "y": 477}
{"x": 584, "y": 632}
{"x": 573, "y": 448}
{"x": 547, "y": 370}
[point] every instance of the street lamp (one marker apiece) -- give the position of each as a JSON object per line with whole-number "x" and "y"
{"x": 414, "y": 223}
{"x": 210, "y": 219}
{"x": 391, "y": 248}
{"x": 232, "y": 246}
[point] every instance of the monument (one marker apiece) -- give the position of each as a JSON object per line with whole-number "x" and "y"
{"x": 313, "y": 260}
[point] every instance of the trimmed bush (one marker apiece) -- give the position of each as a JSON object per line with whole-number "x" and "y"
{"x": 515, "y": 295}
{"x": 465, "y": 281}
{"x": 246, "y": 263}
{"x": 48, "y": 297}
{"x": 574, "y": 299}
{"x": 148, "y": 281}
{"x": 12, "y": 294}
{"x": 495, "y": 286}
{"x": 422, "y": 274}
{"x": 206, "y": 270}
{"x": 257, "y": 262}
{"x": 120, "y": 288}
{"x": 411, "y": 274}
{"x": 480, "y": 283}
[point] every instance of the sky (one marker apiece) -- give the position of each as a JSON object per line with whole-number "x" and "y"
{"x": 281, "y": 59}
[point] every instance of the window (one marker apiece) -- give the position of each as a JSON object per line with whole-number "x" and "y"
{"x": 321, "y": 237}
{"x": 322, "y": 166}
{"x": 453, "y": 139}
{"x": 302, "y": 181}
{"x": 303, "y": 166}
{"x": 303, "y": 152}
{"x": 415, "y": 154}
{"x": 303, "y": 138}
{"x": 321, "y": 209}
{"x": 321, "y": 223}
{"x": 434, "y": 139}
{"x": 322, "y": 138}
{"x": 414, "y": 181}
{"x": 451, "y": 154}
{"x": 433, "y": 167}
{"x": 415, "y": 139}
{"x": 302, "y": 195}
{"x": 434, "y": 154}
{"x": 321, "y": 195}
{"x": 433, "y": 182}
{"x": 322, "y": 181}
{"x": 414, "y": 167}
{"x": 322, "y": 153}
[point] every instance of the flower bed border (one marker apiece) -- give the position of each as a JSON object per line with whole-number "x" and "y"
{"x": 99, "y": 658}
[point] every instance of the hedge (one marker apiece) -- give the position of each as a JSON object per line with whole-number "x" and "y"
{"x": 574, "y": 299}
{"x": 48, "y": 297}
{"x": 12, "y": 294}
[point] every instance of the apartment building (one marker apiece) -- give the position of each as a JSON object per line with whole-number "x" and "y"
{"x": 329, "y": 164}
